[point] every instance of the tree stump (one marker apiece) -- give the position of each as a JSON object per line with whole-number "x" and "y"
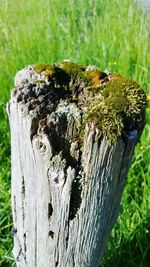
{"x": 73, "y": 133}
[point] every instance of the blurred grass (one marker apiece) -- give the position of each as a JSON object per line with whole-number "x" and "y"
{"x": 113, "y": 35}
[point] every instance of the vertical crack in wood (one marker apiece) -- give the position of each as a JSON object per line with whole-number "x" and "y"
{"x": 23, "y": 186}
{"x": 75, "y": 200}
{"x": 14, "y": 208}
{"x": 23, "y": 216}
{"x": 50, "y": 210}
{"x": 25, "y": 247}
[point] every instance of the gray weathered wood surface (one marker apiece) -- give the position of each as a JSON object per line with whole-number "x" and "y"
{"x": 65, "y": 197}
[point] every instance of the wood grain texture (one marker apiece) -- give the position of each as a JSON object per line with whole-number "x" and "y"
{"x": 65, "y": 192}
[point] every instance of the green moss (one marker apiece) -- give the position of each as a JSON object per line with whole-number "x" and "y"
{"x": 53, "y": 73}
{"x": 107, "y": 120}
{"x": 118, "y": 86}
{"x": 95, "y": 77}
{"x": 125, "y": 96}
{"x": 77, "y": 71}
{"x": 72, "y": 69}
{"x": 41, "y": 67}
{"x": 119, "y": 103}
{"x": 67, "y": 70}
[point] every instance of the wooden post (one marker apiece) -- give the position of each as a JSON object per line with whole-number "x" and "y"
{"x": 69, "y": 163}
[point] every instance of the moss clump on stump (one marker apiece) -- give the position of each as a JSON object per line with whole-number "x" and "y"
{"x": 112, "y": 102}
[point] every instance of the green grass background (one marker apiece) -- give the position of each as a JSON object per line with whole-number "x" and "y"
{"x": 113, "y": 35}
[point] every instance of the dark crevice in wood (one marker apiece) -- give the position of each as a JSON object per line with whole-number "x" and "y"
{"x": 50, "y": 210}
{"x": 14, "y": 231}
{"x": 23, "y": 187}
{"x": 51, "y": 234}
{"x": 75, "y": 200}
{"x": 73, "y": 263}
{"x": 60, "y": 141}
{"x": 67, "y": 238}
{"x": 25, "y": 246}
{"x": 19, "y": 254}
{"x": 34, "y": 128}
{"x": 42, "y": 100}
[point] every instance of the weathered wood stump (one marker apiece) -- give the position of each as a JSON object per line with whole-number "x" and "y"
{"x": 73, "y": 133}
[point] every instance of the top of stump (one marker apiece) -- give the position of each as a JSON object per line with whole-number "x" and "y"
{"x": 114, "y": 104}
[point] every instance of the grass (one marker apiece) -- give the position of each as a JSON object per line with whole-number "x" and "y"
{"x": 110, "y": 34}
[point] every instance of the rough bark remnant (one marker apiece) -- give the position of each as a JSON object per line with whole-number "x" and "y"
{"x": 73, "y": 132}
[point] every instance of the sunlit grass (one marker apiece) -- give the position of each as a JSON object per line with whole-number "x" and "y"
{"x": 110, "y": 34}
